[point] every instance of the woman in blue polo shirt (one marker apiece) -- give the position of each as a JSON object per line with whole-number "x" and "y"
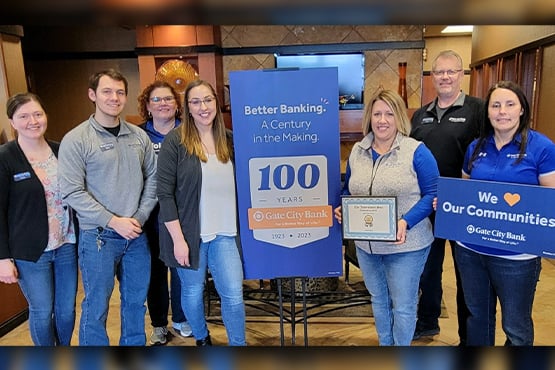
{"x": 506, "y": 151}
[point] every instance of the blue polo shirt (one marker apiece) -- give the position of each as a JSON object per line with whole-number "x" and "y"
{"x": 156, "y": 138}
{"x": 492, "y": 164}
{"x": 154, "y": 135}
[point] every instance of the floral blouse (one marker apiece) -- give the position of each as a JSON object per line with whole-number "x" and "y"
{"x": 60, "y": 225}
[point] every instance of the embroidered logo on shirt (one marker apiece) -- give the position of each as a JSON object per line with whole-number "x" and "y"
{"x": 457, "y": 119}
{"x": 427, "y": 120}
{"x": 516, "y": 156}
{"x": 22, "y": 176}
{"x": 107, "y": 146}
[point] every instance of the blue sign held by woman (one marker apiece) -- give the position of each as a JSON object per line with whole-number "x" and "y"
{"x": 513, "y": 217}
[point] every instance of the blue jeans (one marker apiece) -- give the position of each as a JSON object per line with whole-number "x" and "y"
{"x": 392, "y": 281}
{"x": 221, "y": 256}
{"x": 486, "y": 278}
{"x": 129, "y": 260}
{"x": 50, "y": 287}
{"x": 178, "y": 316}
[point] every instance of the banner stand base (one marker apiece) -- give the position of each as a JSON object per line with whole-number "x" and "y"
{"x": 293, "y": 312}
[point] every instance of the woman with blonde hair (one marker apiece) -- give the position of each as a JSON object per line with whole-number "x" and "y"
{"x": 387, "y": 162}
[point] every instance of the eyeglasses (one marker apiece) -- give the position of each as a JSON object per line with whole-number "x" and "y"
{"x": 450, "y": 72}
{"x": 166, "y": 99}
{"x": 207, "y": 101}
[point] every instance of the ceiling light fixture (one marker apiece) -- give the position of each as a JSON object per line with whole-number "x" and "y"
{"x": 457, "y": 29}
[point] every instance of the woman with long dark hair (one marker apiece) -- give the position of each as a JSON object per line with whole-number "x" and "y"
{"x": 508, "y": 150}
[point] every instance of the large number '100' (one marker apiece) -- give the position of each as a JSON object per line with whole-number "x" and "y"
{"x": 283, "y": 176}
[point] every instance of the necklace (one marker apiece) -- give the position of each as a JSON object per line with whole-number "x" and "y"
{"x": 165, "y": 127}
{"x": 42, "y": 163}
{"x": 36, "y": 153}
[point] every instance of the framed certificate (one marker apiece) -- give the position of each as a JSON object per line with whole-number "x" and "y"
{"x": 369, "y": 218}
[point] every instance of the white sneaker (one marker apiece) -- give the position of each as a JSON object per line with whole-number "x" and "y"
{"x": 159, "y": 336}
{"x": 183, "y": 329}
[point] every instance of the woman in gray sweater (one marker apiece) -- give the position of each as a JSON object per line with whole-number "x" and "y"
{"x": 387, "y": 162}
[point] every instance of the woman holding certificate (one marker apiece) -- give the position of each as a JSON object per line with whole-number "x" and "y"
{"x": 506, "y": 151}
{"x": 387, "y": 162}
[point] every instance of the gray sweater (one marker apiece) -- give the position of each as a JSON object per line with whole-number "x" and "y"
{"x": 102, "y": 175}
{"x": 393, "y": 175}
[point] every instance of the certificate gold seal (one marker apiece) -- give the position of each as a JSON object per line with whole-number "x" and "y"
{"x": 368, "y": 219}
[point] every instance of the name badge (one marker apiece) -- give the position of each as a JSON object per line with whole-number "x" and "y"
{"x": 107, "y": 146}
{"x": 22, "y": 176}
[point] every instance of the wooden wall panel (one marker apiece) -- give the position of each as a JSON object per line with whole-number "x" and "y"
{"x": 63, "y": 85}
{"x": 546, "y": 95}
{"x": 12, "y": 80}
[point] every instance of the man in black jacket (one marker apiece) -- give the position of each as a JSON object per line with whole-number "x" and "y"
{"x": 446, "y": 125}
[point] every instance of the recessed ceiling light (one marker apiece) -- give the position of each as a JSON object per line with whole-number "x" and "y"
{"x": 457, "y": 29}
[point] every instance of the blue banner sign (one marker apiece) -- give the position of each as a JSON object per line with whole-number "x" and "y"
{"x": 286, "y": 137}
{"x": 513, "y": 217}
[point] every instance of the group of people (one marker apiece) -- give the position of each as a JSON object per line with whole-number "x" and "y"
{"x": 98, "y": 206}
{"x": 459, "y": 136}
{"x": 128, "y": 202}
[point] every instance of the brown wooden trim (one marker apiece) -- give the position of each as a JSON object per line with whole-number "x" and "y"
{"x": 178, "y": 50}
{"x": 12, "y": 30}
{"x": 531, "y": 45}
{"x": 350, "y": 47}
{"x": 79, "y": 55}
{"x": 350, "y": 136}
{"x": 350, "y": 121}
{"x": 537, "y": 83}
{"x": 14, "y": 322}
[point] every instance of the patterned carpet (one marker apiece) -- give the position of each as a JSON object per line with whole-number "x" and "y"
{"x": 262, "y": 299}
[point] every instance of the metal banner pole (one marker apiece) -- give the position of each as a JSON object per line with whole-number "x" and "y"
{"x": 305, "y": 318}
{"x": 293, "y": 319}
{"x": 280, "y": 300}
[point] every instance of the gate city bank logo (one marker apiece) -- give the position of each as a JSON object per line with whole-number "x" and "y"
{"x": 482, "y": 211}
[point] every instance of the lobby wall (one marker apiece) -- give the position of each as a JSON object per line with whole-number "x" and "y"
{"x": 381, "y": 66}
{"x": 59, "y": 60}
{"x": 492, "y": 42}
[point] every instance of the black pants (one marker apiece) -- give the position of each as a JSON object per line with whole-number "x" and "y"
{"x": 429, "y": 306}
{"x": 158, "y": 297}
